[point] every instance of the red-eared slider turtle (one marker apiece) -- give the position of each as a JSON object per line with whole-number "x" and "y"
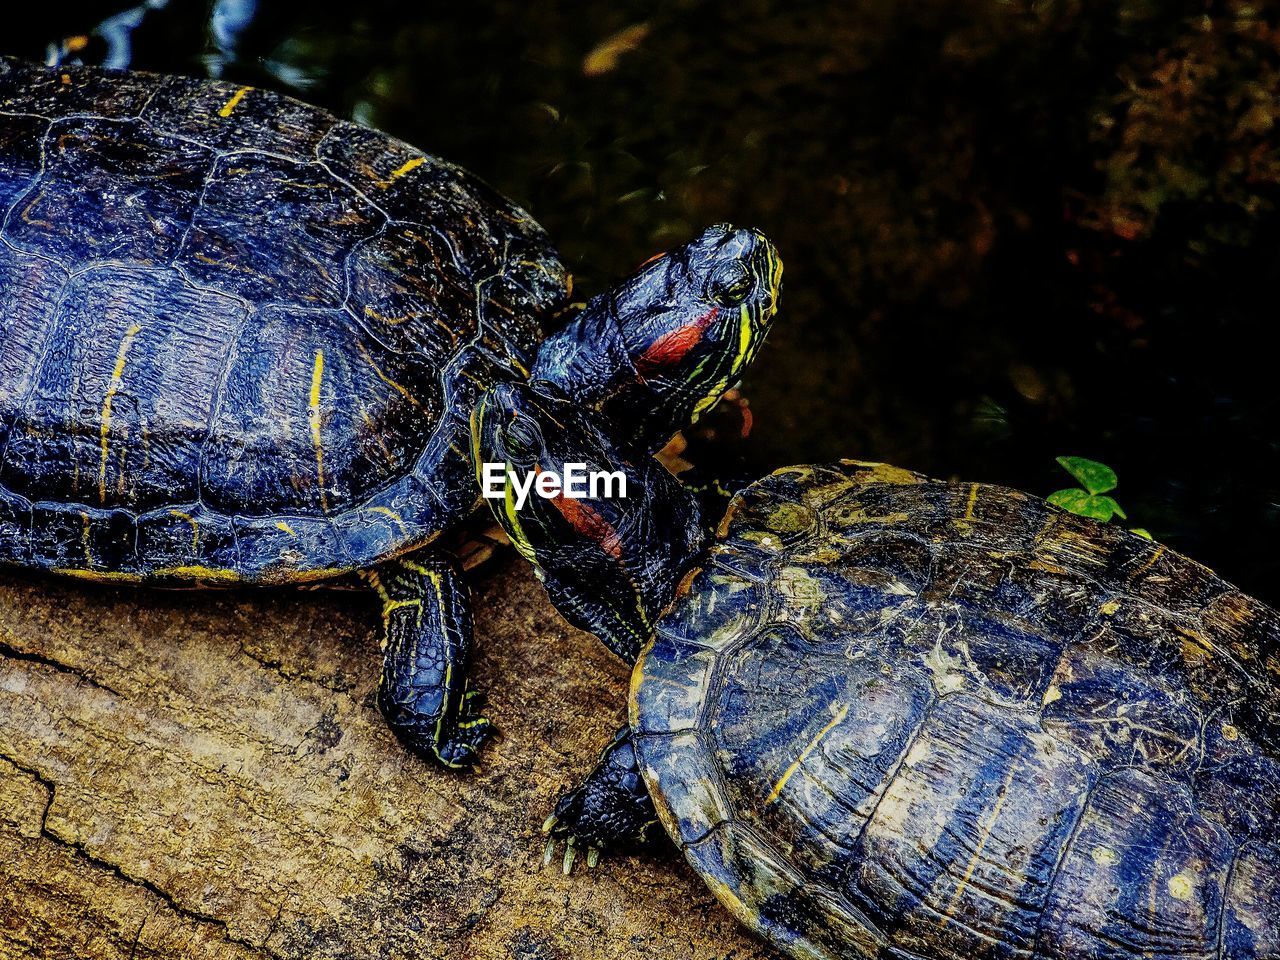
{"x": 895, "y": 718}
{"x": 242, "y": 339}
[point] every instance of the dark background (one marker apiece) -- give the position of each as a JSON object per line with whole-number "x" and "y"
{"x": 1012, "y": 230}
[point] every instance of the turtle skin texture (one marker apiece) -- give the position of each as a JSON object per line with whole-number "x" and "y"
{"x": 897, "y": 718}
{"x": 241, "y": 336}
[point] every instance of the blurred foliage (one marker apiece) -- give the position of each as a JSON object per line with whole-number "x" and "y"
{"x": 1011, "y": 227}
{"x": 1194, "y": 123}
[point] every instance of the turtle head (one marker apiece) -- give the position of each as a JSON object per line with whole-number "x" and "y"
{"x": 609, "y": 529}
{"x": 522, "y": 438}
{"x": 665, "y": 345}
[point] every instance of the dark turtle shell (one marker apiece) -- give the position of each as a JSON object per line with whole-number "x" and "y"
{"x": 241, "y": 336}
{"x": 898, "y": 718}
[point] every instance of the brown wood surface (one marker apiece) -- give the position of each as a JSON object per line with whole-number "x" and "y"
{"x": 204, "y": 775}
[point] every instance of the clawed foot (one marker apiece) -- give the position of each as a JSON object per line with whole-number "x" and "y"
{"x": 611, "y": 809}
{"x": 555, "y": 831}
{"x": 470, "y": 731}
{"x": 453, "y": 742}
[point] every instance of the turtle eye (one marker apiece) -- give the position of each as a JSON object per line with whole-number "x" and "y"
{"x": 521, "y": 439}
{"x": 730, "y": 283}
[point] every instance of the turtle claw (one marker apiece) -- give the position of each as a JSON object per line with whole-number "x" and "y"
{"x": 570, "y": 853}
{"x": 571, "y": 847}
{"x": 609, "y": 810}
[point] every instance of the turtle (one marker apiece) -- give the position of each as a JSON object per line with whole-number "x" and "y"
{"x": 889, "y": 717}
{"x": 242, "y": 339}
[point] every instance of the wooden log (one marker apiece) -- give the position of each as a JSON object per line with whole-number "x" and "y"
{"x": 203, "y": 774}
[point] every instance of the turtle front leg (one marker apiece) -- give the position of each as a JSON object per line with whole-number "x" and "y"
{"x": 610, "y": 809}
{"x": 424, "y": 693}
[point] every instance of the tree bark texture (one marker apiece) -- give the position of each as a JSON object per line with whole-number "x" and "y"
{"x": 204, "y": 774}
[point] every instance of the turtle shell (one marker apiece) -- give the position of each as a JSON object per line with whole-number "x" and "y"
{"x": 898, "y": 718}
{"x": 242, "y": 337}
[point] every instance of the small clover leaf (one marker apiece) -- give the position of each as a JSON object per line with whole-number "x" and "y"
{"x": 1072, "y": 500}
{"x": 1095, "y": 477}
{"x": 1090, "y": 499}
{"x": 1084, "y": 504}
{"x": 1104, "y": 508}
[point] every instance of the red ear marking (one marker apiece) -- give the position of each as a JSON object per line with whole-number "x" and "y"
{"x": 587, "y": 522}
{"x": 590, "y": 524}
{"x": 674, "y": 345}
{"x": 656, "y": 257}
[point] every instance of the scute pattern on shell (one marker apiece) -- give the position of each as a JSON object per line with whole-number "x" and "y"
{"x": 898, "y": 718}
{"x": 242, "y": 336}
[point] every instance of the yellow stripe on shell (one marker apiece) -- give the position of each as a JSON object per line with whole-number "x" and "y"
{"x": 313, "y": 417}
{"x": 804, "y": 755}
{"x": 975, "y": 860}
{"x": 99, "y": 576}
{"x": 1151, "y": 561}
{"x": 204, "y": 575}
{"x": 84, "y": 538}
{"x": 234, "y": 102}
{"x": 407, "y": 167}
{"x": 113, "y": 387}
{"x": 197, "y": 572}
{"x": 395, "y": 517}
{"x": 195, "y": 528}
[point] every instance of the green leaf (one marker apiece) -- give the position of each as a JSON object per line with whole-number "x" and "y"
{"x": 1105, "y": 508}
{"x": 1072, "y": 500}
{"x": 1083, "y": 504}
{"x": 1093, "y": 476}
{"x": 1142, "y": 532}
{"x": 1097, "y": 508}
